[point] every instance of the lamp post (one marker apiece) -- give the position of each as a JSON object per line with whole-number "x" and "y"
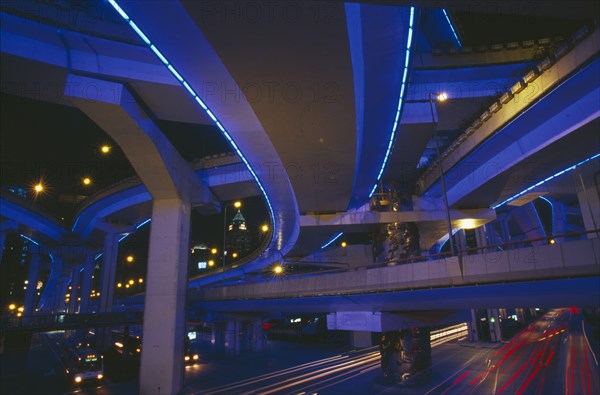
{"x": 441, "y": 97}
{"x": 237, "y": 204}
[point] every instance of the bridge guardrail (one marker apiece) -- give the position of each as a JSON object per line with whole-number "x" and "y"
{"x": 67, "y": 321}
{"x": 573, "y": 259}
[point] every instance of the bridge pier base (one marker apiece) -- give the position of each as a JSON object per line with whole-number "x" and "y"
{"x": 406, "y": 356}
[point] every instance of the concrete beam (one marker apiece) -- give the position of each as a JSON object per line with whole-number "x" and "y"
{"x": 358, "y": 217}
{"x": 513, "y": 52}
{"x": 507, "y": 112}
{"x": 390, "y": 321}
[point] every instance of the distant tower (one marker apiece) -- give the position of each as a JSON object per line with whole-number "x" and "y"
{"x": 238, "y": 237}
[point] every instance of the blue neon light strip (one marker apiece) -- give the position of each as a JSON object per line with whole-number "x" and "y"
{"x": 400, "y": 99}
{"x": 30, "y": 239}
{"x": 546, "y": 180}
{"x": 332, "y": 240}
{"x": 143, "y": 223}
{"x": 452, "y": 27}
{"x": 178, "y": 76}
{"x": 75, "y": 224}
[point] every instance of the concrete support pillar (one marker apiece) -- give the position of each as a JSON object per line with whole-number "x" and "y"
{"x": 406, "y": 356}
{"x": 107, "y": 285}
{"x": 492, "y": 236}
{"x": 460, "y": 240}
{"x": 232, "y": 341}
{"x": 258, "y": 336}
{"x": 361, "y": 339}
{"x": 73, "y": 304}
{"x": 2, "y": 243}
{"x": 162, "y": 365}
{"x": 528, "y": 220}
{"x": 559, "y": 220}
{"x": 5, "y": 227}
{"x": 494, "y": 320}
{"x": 473, "y": 327}
{"x": 589, "y": 203}
{"x": 108, "y": 271}
{"x": 218, "y": 336}
{"x": 51, "y": 288}
{"x": 506, "y": 236}
{"x": 32, "y": 279}
{"x": 59, "y": 299}
{"x": 481, "y": 236}
{"x": 86, "y": 283}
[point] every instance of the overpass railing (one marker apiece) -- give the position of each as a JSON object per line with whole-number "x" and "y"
{"x": 38, "y": 323}
{"x": 507, "y": 262}
{"x": 509, "y": 246}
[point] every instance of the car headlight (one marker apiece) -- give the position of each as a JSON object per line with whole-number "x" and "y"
{"x": 187, "y": 358}
{"x": 78, "y": 379}
{"x": 100, "y": 376}
{"x": 195, "y": 356}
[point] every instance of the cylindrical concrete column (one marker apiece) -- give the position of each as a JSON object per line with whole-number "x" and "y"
{"x": 505, "y": 230}
{"x": 494, "y": 320}
{"x": 2, "y": 243}
{"x": 51, "y": 287}
{"x": 32, "y": 279}
{"x": 86, "y": 282}
{"x": 108, "y": 272}
{"x": 59, "y": 299}
{"x": 258, "y": 335}
{"x": 529, "y": 221}
{"x": 473, "y": 327}
{"x": 74, "y": 294}
{"x": 107, "y": 285}
{"x": 232, "y": 341}
{"x": 162, "y": 364}
{"x": 218, "y": 336}
{"x": 559, "y": 220}
{"x": 481, "y": 236}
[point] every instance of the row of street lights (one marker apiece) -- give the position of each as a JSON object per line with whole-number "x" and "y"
{"x": 40, "y": 186}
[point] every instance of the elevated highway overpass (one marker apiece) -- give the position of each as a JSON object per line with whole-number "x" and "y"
{"x": 318, "y": 158}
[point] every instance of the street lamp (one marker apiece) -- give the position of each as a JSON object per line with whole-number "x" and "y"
{"x": 441, "y": 97}
{"x": 237, "y": 204}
